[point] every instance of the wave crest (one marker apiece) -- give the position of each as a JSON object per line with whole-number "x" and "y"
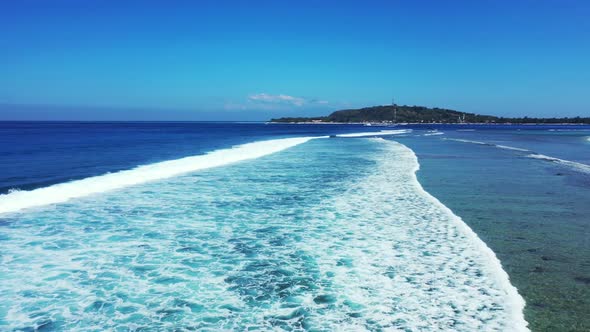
{"x": 62, "y": 192}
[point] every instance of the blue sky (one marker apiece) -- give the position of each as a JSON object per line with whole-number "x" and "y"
{"x": 250, "y": 60}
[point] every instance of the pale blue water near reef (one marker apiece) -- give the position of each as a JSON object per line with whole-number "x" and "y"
{"x": 228, "y": 226}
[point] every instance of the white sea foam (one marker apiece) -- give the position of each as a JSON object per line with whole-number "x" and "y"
{"x": 259, "y": 245}
{"x": 465, "y": 141}
{"x": 439, "y": 276}
{"x": 580, "y": 167}
{"x": 515, "y": 303}
{"x": 568, "y": 163}
{"x": 18, "y": 200}
{"x": 62, "y": 192}
{"x": 434, "y": 133}
{"x": 511, "y": 148}
{"x": 377, "y": 133}
{"x": 505, "y": 147}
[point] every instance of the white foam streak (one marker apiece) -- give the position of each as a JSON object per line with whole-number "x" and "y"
{"x": 572, "y": 164}
{"x": 505, "y": 147}
{"x": 377, "y": 133}
{"x": 59, "y": 193}
{"x": 515, "y": 303}
{"x": 511, "y": 148}
{"x": 568, "y": 163}
{"x": 465, "y": 141}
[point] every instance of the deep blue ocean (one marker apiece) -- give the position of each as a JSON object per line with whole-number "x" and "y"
{"x": 251, "y": 226}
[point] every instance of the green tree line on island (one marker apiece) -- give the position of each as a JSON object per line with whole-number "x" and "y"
{"x": 421, "y": 114}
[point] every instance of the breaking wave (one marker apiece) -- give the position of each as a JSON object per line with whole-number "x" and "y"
{"x": 505, "y": 147}
{"x": 260, "y": 246}
{"x": 568, "y": 163}
{"x": 580, "y": 167}
{"x": 16, "y": 200}
{"x": 62, "y": 192}
{"x": 445, "y": 253}
{"x": 377, "y": 133}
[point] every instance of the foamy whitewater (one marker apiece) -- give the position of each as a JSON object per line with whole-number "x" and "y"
{"x": 568, "y": 163}
{"x": 59, "y": 193}
{"x": 334, "y": 234}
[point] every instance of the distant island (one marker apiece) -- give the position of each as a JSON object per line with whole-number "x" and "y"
{"x": 420, "y": 114}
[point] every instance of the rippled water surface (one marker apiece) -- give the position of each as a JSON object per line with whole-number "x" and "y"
{"x": 189, "y": 226}
{"x": 314, "y": 237}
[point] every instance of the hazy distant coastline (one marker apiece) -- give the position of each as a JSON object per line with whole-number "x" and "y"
{"x": 395, "y": 114}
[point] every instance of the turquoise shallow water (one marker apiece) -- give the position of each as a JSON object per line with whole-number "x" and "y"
{"x": 333, "y": 234}
{"x": 302, "y": 233}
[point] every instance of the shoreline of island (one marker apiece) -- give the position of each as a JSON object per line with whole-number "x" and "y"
{"x": 381, "y": 124}
{"x": 396, "y": 115}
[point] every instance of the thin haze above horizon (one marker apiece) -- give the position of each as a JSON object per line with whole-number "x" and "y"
{"x": 237, "y": 60}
